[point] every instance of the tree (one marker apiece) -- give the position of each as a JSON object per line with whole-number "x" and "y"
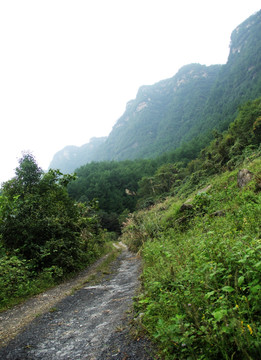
{"x": 39, "y": 219}
{"x": 246, "y": 127}
{"x": 28, "y": 173}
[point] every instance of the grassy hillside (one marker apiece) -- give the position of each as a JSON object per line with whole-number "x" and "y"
{"x": 202, "y": 270}
{"x": 122, "y": 186}
{"x": 201, "y": 244}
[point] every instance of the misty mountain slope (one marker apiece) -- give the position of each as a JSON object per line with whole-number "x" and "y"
{"x": 192, "y": 103}
{"x": 239, "y": 80}
{"x": 161, "y": 115}
{"x": 72, "y": 157}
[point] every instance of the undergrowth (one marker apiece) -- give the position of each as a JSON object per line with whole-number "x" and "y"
{"x": 202, "y": 270}
{"x": 18, "y": 281}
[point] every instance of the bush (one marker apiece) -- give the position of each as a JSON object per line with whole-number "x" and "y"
{"x": 14, "y": 278}
{"x": 201, "y": 284}
{"x": 46, "y": 235}
{"x": 43, "y": 224}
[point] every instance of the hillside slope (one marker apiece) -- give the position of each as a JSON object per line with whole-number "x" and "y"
{"x": 190, "y": 104}
{"x": 201, "y": 277}
{"x": 72, "y": 157}
{"x": 160, "y": 116}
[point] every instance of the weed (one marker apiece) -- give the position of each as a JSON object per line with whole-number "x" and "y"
{"x": 201, "y": 284}
{"x": 53, "y": 309}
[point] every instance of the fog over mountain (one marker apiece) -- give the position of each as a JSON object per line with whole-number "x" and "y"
{"x": 196, "y": 100}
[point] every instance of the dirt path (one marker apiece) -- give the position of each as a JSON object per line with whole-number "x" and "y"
{"x": 88, "y": 324}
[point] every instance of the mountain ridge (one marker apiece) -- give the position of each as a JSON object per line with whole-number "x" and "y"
{"x": 71, "y": 156}
{"x": 197, "y": 99}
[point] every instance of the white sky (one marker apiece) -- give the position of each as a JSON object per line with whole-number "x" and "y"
{"x": 68, "y": 68}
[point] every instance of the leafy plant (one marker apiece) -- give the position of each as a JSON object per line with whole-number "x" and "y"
{"x": 44, "y": 235}
{"x": 201, "y": 284}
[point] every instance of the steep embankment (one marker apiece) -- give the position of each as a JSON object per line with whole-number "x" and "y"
{"x": 202, "y": 268}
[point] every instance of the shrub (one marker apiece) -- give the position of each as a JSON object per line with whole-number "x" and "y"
{"x": 201, "y": 284}
{"x": 14, "y": 278}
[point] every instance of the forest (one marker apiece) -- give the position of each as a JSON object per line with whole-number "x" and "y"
{"x": 121, "y": 187}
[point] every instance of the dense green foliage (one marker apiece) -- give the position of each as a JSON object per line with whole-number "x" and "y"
{"x": 161, "y": 116}
{"x": 201, "y": 276}
{"x": 223, "y": 153}
{"x": 121, "y": 187}
{"x": 201, "y": 249}
{"x": 114, "y": 184}
{"x": 239, "y": 80}
{"x": 44, "y": 235}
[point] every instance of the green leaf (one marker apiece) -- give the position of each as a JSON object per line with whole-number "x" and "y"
{"x": 225, "y": 329}
{"x": 240, "y": 280}
{"x": 207, "y": 295}
{"x": 255, "y": 289}
{"x": 219, "y": 314}
{"x": 258, "y": 265}
{"x": 228, "y": 288}
{"x": 167, "y": 254}
{"x": 144, "y": 301}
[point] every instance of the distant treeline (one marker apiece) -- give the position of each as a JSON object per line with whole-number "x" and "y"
{"x": 121, "y": 187}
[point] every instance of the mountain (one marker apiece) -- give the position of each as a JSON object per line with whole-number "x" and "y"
{"x": 192, "y": 103}
{"x": 161, "y": 115}
{"x": 72, "y": 157}
{"x": 240, "y": 79}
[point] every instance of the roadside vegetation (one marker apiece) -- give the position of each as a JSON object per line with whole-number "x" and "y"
{"x": 45, "y": 237}
{"x": 196, "y": 226}
{"x": 201, "y": 251}
{"x": 202, "y": 270}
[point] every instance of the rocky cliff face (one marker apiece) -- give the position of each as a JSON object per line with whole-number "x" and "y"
{"x": 193, "y": 102}
{"x": 245, "y": 35}
{"x": 239, "y": 80}
{"x": 160, "y": 116}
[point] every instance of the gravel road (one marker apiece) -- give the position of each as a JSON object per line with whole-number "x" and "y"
{"x": 92, "y": 323}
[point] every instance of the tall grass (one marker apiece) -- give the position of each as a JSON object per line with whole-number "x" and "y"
{"x": 202, "y": 271}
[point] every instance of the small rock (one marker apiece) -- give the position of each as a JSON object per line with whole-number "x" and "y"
{"x": 188, "y": 201}
{"x": 182, "y": 220}
{"x": 218, "y": 213}
{"x": 185, "y": 207}
{"x": 205, "y": 189}
{"x": 243, "y": 177}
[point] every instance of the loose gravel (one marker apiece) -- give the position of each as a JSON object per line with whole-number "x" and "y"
{"x": 92, "y": 323}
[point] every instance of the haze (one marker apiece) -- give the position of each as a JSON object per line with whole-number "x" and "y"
{"x": 68, "y": 68}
